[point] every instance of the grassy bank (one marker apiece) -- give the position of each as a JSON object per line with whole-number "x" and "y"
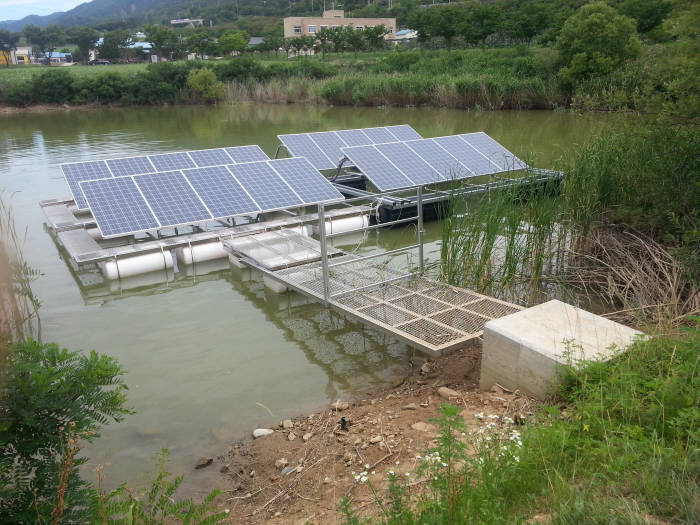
{"x": 489, "y": 79}
{"x": 618, "y": 443}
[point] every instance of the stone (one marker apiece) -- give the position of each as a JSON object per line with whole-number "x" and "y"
{"x": 307, "y": 436}
{"x": 425, "y": 369}
{"x": 447, "y": 393}
{"x": 358, "y": 441}
{"x": 423, "y": 427}
{"x": 281, "y": 463}
{"x": 252, "y": 474}
{"x": 327, "y": 480}
{"x": 287, "y": 424}
{"x": 203, "y": 462}
{"x": 376, "y": 439}
{"x": 340, "y": 405}
{"x": 410, "y": 406}
{"x": 224, "y": 469}
{"x": 524, "y": 351}
{"x": 292, "y": 436}
{"x": 348, "y": 457}
{"x": 262, "y": 432}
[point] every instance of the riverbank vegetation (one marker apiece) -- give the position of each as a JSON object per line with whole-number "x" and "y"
{"x": 594, "y": 58}
{"x": 618, "y": 443}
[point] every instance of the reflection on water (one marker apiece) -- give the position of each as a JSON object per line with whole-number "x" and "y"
{"x": 203, "y": 351}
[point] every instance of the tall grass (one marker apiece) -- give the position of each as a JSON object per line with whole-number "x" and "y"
{"x": 620, "y": 233}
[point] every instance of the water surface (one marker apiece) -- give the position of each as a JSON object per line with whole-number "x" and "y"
{"x": 207, "y": 357}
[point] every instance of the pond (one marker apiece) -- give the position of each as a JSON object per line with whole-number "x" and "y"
{"x": 211, "y": 357}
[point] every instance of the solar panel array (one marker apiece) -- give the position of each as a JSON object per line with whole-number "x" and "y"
{"x": 136, "y": 203}
{"x": 324, "y": 149}
{"x": 409, "y": 163}
{"x": 78, "y": 172}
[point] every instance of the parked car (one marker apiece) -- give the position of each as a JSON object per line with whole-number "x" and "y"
{"x": 99, "y": 62}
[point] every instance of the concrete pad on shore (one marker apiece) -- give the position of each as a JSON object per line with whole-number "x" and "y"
{"x": 524, "y": 350}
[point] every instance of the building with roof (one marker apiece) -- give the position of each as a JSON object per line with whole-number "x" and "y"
{"x": 295, "y": 26}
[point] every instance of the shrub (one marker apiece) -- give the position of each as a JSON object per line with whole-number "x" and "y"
{"x": 240, "y": 69}
{"x": 204, "y": 84}
{"x": 54, "y": 86}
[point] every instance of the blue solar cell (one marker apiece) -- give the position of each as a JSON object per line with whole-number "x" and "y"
{"x": 302, "y": 146}
{"x": 222, "y": 194}
{"x": 171, "y": 161}
{"x": 171, "y": 198}
{"x": 447, "y": 166}
{"x": 382, "y": 173}
{"x": 246, "y": 154}
{"x": 130, "y": 166}
{"x": 495, "y": 151}
{"x": 330, "y": 143}
{"x": 305, "y": 180}
{"x": 467, "y": 155}
{"x": 411, "y": 164}
{"x": 379, "y": 135}
{"x": 354, "y": 137}
{"x": 404, "y": 132}
{"x": 264, "y": 185}
{"x": 118, "y": 207}
{"x": 81, "y": 171}
{"x": 210, "y": 157}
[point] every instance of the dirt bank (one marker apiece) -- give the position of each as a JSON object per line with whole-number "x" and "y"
{"x": 301, "y": 471}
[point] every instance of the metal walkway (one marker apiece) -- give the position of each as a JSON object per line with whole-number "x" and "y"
{"x": 426, "y": 314}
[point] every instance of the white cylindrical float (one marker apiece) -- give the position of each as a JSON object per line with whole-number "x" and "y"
{"x": 141, "y": 280}
{"x": 345, "y": 224}
{"x": 201, "y": 252}
{"x": 274, "y": 285}
{"x": 136, "y": 265}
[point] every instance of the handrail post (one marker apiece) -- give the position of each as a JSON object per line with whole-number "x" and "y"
{"x": 324, "y": 251}
{"x": 419, "y": 205}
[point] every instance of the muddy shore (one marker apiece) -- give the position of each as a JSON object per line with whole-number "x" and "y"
{"x": 301, "y": 470}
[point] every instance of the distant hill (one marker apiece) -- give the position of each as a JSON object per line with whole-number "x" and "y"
{"x": 130, "y": 13}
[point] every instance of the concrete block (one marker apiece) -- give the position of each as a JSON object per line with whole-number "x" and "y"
{"x": 524, "y": 350}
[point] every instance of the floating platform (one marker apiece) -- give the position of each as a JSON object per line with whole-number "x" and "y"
{"x": 430, "y": 316}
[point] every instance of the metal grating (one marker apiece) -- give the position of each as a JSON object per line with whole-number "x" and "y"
{"x": 356, "y": 301}
{"x": 389, "y": 292}
{"x": 420, "y": 303}
{"x": 464, "y": 321}
{"x": 492, "y": 308}
{"x": 386, "y": 313}
{"x": 430, "y": 332}
{"x": 452, "y": 295}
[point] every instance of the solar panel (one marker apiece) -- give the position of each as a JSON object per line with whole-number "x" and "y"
{"x": 265, "y": 186}
{"x": 222, "y": 194}
{"x": 448, "y": 166}
{"x": 330, "y": 143}
{"x": 130, "y": 166}
{"x": 467, "y": 155}
{"x": 80, "y": 171}
{"x": 210, "y": 157}
{"x": 382, "y": 173}
{"x": 305, "y": 180}
{"x": 171, "y": 161}
{"x": 118, "y": 206}
{"x": 354, "y": 137}
{"x": 379, "y": 135}
{"x": 404, "y": 132}
{"x": 414, "y": 167}
{"x": 302, "y": 146}
{"x": 171, "y": 198}
{"x": 246, "y": 154}
{"x": 494, "y": 151}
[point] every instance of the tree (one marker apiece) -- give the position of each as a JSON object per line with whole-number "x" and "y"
{"x": 338, "y": 39}
{"x": 288, "y": 45}
{"x": 113, "y": 44}
{"x": 324, "y": 38}
{"x": 444, "y": 23}
{"x": 481, "y": 21}
{"x": 52, "y": 399}
{"x": 201, "y": 43}
{"x": 54, "y": 37}
{"x": 162, "y": 39}
{"x": 232, "y": 41}
{"x": 527, "y": 19}
{"x": 595, "y": 40}
{"x": 8, "y": 41}
{"x": 35, "y": 36}
{"x": 649, "y": 14}
{"x": 354, "y": 39}
{"x": 85, "y": 38}
{"x": 374, "y": 36}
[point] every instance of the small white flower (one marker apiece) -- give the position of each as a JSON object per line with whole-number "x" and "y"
{"x": 367, "y": 465}
{"x": 418, "y": 457}
{"x": 391, "y": 473}
{"x": 398, "y": 462}
{"x": 408, "y": 473}
{"x": 444, "y": 464}
{"x": 480, "y": 415}
{"x": 363, "y": 479}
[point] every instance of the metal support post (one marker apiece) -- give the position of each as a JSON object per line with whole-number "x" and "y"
{"x": 324, "y": 251}
{"x": 419, "y": 205}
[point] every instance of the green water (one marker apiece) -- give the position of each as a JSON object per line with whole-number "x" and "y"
{"x": 207, "y": 357}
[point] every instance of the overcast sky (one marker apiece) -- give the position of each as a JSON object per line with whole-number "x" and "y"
{"x": 16, "y": 9}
